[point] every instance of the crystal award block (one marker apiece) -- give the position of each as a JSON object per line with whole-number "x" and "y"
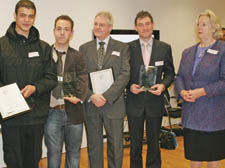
{"x": 69, "y": 84}
{"x": 147, "y": 76}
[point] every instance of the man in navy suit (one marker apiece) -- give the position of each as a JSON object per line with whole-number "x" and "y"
{"x": 147, "y": 105}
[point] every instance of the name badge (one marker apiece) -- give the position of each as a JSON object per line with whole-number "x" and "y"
{"x": 60, "y": 78}
{"x": 116, "y": 53}
{"x": 33, "y": 54}
{"x": 159, "y": 63}
{"x": 211, "y": 51}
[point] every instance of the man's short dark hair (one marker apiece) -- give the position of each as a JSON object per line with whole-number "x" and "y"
{"x": 65, "y": 17}
{"x": 25, "y": 3}
{"x": 141, "y": 15}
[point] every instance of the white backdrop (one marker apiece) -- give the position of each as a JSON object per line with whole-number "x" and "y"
{"x": 175, "y": 19}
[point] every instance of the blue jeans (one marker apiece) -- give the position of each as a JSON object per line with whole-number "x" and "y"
{"x": 57, "y": 130}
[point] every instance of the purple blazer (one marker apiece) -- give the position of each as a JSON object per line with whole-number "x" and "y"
{"x": 208, "y": 112}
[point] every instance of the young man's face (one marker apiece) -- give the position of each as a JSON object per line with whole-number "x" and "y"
{"x": 102, "y": 28}
{"x": 24, "y": 18}
{"x": 144, "y": 27}
{"x": 63, "y": 32}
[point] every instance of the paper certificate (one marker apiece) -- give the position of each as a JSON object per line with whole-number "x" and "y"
{"x": 12, "y": 101}
{"x": 101, "y": 80}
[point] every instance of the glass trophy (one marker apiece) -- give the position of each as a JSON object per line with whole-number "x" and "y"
{"x": 147, "y": 76}
{"x": 69, "y": 84}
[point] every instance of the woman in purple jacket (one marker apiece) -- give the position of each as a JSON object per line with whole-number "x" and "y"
{"x": 201, "y": 84}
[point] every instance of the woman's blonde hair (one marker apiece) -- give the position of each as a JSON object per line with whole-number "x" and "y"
{"x": 214, "y": 22}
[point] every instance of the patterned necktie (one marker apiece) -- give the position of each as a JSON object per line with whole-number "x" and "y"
{"x": 146, "y": 54}
{"x": 57, "y": 92}
{"x": 101, "y": 53}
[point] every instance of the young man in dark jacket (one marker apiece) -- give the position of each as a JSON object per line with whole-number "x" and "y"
{"x": 26, "y": 61}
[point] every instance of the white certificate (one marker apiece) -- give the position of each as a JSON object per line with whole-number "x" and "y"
{"x": 12, "y": 101}
{"x": 101, "y": 80}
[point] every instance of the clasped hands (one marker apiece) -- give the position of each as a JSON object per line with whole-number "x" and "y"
{"x": 192, "y": 95}
{"x": 98, "y": 100}
{"x": 155, "y": 89}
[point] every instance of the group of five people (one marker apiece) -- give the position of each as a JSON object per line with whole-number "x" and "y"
{"x": 45, "y": 74}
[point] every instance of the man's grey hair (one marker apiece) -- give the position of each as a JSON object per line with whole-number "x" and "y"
{"x": 106, "y": 14}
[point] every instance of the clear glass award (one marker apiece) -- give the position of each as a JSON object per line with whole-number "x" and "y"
{"x": 69, "y": 84}
{"x": 147, "y": 76}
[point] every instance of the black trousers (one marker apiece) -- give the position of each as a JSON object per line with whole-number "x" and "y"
{"x": 22, "y": 145}
{"x": 136, "y": 129}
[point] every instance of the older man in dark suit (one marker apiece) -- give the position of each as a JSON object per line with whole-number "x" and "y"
{"x": 147, "y": 105}
{"x": 66, "y": 116}
{"x": 107, "y": 107}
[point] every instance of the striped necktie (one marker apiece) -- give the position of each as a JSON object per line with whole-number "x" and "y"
{"x": 101, "y": 54}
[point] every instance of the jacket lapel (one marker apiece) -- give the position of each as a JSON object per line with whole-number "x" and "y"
{"x": 205, "y": 59}
{"x": 138, "y": 53}
{"x": 68, "y": 60}
{"x": 108, "y": 51}
{"x": 155, "y": 49}
{"x": 94, "y": 54}
{"x": 191, "y": 60}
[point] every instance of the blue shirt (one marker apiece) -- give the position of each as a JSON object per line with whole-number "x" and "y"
{"x": 199, "y": 55}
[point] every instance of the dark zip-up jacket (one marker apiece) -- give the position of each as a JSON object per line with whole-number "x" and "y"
{"x": 28, "y": 61}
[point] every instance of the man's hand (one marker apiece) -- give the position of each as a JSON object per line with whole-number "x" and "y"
{"x": 157, "y": 89}
{"x": 28, "y": 90}
{"x": 72, "y": 99}
{"x": 136, "y": 89}
{"x": 98, "y": 100}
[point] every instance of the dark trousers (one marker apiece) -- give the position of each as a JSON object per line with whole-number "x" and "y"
{"x": 22, "y": 145}
{"x": 136, "y": 129}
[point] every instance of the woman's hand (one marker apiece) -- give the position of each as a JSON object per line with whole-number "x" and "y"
{"x": 192, "y": 95}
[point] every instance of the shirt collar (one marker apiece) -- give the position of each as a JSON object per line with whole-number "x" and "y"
{"x": 106, "y": 40}
{"x": 149, "y": 42}
{"x": 61, "y": 50}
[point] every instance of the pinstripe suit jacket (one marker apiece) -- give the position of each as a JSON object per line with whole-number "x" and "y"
{"x": 115, "y": 106}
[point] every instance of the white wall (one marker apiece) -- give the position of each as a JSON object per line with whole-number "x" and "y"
{"x": 174, "y": 18}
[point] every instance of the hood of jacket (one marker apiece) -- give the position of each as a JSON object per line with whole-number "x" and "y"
{"x": 13, "y": 35}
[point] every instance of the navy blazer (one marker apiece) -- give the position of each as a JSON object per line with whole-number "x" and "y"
{"x": 208, "y": 112}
